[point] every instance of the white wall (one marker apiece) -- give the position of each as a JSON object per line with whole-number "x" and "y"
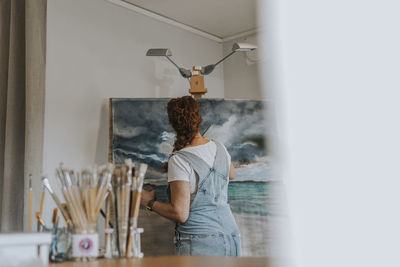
{"x": 241, "y": 76}
{"x": 96, "y": 50}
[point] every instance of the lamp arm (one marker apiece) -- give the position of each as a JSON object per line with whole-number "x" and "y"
{"x": 172, "y": 62}
{"x": 184, "y": 72}
{"x": 225, "y": 57}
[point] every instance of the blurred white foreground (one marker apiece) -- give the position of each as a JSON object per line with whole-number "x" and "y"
{"x": 333, "y": 72}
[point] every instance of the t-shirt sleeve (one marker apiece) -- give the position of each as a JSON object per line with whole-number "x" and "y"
{"x": 227, "y": 155}
{"x": 178, "y": 169}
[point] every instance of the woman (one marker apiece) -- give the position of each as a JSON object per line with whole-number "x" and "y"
{"x": 199, "y": 170}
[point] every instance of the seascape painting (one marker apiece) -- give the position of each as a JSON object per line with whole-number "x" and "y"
{"x": 140, "y": 131}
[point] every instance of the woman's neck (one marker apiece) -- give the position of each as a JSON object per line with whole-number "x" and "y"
{"x": 199, "y": 140}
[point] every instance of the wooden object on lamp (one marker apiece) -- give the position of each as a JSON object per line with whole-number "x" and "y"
{"x": 197, "y": 83}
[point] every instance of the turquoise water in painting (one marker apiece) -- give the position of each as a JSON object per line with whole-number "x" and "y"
{"x": 256, "y": 198}
{"x": 248, "y": 198}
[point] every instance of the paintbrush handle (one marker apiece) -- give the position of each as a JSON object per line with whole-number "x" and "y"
{"x": 106, "y": 226}
{"x": 116, "y": 219}
{"x": 78, "y": 203}
{"x": 57, "y": 221}
{"x": 42, "y": 202}
{"x": 40, "y": 220}
{"x": 92, "y": 197}
{"x": 60, "y": 207}
{"x": 53, "y": 219}
{"x": 137, "y": 204}
{"x": 107, "y": 213}
{"x": 128, "y": 245}
{"x": 130, "y": 220}
{"x": 85, "y": 199}
{"x": 76, "y": 219}
{"x": 123, "y": 220}
{"x": 123, "y": 204}
{"x": 30, "y": 210}
{"x": 99, "y": 201}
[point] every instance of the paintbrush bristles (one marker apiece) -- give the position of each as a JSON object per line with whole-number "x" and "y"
{"x": 84, "y": 194}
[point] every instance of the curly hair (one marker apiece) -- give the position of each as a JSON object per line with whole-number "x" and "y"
{"x": 184, "y": 117}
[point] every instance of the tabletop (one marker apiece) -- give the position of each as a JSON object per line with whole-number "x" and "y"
{"x": 172, "y": 261}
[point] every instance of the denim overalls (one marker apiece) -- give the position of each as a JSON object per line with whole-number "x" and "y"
{"x": 211, "y": 228}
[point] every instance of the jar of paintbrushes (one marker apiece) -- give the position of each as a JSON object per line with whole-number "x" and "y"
{"x": 122, "y": 211}
{"x": 84, "y": 193}
{"x": 84, "y": 196}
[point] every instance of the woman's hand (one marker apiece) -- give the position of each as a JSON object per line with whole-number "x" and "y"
{"x": 147, "y": 196}
{"x": 232, "y": 172}
{"x": 178, "y": 209}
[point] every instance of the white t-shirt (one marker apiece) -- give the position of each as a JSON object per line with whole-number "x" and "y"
{"x": 180, "y": 170}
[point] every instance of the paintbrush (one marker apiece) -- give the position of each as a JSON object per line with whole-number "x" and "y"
{"x": 30, "y": 202}
{"x": 116, "y": 194}
{"x": 65, "y": 207}
{"x": 125, "y": 199}
{"x": 92, "y": 195}
{"x": 106, "y": 226}
{"x": 123, "y": 210}
{"x": 136, "y": 203}
{"x": 75, "y": 192}
{"x": 40, "y": 219}
{"x": 206, "y": 130}
{"x": 42, "y": 201}
{"x": 57, "y": 221}
{"x": 131, "y": 205}
{"x": 46, "y": 184}
{"x": 85, "y": 189}
{"x": 54, "y": 217}
{"x": 72, "y": 202}
{"x": 75, "y": 197}
{"x": 103, "y": 185}
{"x": 41, "y": 223}
{"x": 140, "y": 179}
{"x": 105, "y": 215}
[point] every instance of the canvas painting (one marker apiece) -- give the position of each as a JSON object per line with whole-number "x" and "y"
{"x": 139, "y": 130}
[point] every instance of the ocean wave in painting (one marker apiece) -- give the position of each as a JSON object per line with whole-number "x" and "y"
{"x": 255, "y": 198}
{"x": 154, "y": 160}
{"x": 257, "y": 172}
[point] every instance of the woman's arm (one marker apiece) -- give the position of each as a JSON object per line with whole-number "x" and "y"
{"x": 232, "y": 172}
{"x": 178, "y": 209}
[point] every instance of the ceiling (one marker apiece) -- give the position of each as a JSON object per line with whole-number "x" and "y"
{"x": 220, "y": 18}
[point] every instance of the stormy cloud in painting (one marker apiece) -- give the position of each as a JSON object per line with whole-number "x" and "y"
{"x": 141, "y": 132}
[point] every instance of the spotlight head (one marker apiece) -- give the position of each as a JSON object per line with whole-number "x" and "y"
{"x": 159, "y": 52}
{"x": 243, "y": 47}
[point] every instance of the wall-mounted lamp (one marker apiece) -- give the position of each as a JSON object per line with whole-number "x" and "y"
{"x": 196, "y": 75}
{"x": 166, "y": 52}
{"x": 237, "y": 47}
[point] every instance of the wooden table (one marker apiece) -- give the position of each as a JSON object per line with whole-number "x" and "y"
{"x": 172, "y": 261}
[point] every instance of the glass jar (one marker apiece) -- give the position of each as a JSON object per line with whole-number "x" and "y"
{"x": 135, "y": 246}
{"x": 85, "y": 243}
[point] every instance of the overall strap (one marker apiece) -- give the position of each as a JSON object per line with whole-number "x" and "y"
{"x": 197, "y": 163}
{"x": 221, "y": 162}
